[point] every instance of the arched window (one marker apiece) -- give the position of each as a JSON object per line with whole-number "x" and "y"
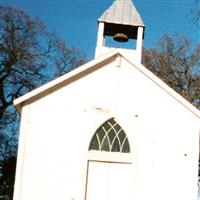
{"x": 110, "y": 137}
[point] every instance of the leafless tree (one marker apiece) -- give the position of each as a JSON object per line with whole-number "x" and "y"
{"x": 29, "y": 56}
{"x": 178, "y": 64}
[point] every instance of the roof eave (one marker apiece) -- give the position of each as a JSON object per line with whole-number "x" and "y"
{"x": 120, "y": 23}
{"x": 165, "y": 87}
{"x": 21, "y": 101}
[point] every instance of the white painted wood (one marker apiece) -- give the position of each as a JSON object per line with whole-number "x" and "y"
{"x": 62, "y": 117}
{"x": 94, "y": 64}
{"x": 100, "y": 36}
{"x": 100, "y": 39}
{"x": 108, "y": 181}
{"x": 139, "y": 42}
{"x": 139, "y": 39}
{"x": 59, "y": 119}
{"x": 120, "y": 181}
{"x": 97, "y": 186}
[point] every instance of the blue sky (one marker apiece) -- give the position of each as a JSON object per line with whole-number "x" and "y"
{"x": 75, "y": 21}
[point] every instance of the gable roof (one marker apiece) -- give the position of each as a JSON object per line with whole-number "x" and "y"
{"x": 91, "y": 66}
{"x": 122, "y": 12}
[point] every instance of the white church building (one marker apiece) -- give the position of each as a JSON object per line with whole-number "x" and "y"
{"x": 110, "y": 129}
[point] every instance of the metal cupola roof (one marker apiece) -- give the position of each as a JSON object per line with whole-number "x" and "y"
{"x": 122, "y": 12}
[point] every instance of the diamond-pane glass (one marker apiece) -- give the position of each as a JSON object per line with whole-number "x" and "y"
{"x": 94, "y": 143}
{"x": 110, "y": 137}
{"x": 125, "y": 147}
{"x": 115, "y": 146}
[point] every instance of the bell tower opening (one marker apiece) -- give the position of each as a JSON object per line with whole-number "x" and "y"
{"x": 120, "y": 26}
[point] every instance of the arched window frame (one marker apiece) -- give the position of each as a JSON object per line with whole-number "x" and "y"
{"x": 110, "y": 156}
{"x": 110, "y": 137}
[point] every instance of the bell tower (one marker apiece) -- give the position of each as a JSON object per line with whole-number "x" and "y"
{"x": 122, "y": 22}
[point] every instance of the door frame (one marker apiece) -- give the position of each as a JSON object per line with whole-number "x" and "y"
{"x": 106, "y": 157}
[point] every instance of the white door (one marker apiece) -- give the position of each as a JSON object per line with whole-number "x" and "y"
{"x": 109, "y": 181}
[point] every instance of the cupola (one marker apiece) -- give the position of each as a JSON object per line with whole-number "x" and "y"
{"x": 122, "y": 22}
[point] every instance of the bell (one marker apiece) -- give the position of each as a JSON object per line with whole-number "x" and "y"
{"x": 120, "y": 37}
